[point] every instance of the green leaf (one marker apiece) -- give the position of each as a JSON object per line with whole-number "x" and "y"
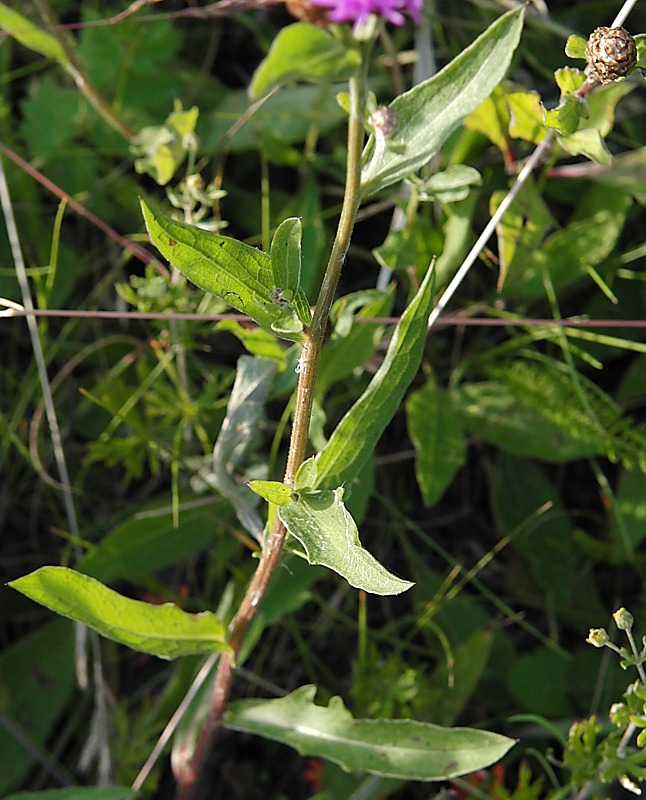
{"x": 79, "y": 793}
{"x": 257, "y": 341}
{"x": 575, "y": 47}
{"x": 526, "y": 117}
{"x": 432, "y": 110}
{"x": 272, "y": 491}
{"x": 452, "y": 184}
{"x": 325, "y": 528}
{"x": 436, "y": 432}
{"x": 640, "y": 43}
{"x": 241, "y": 275}
{"x": 356, "y": 435}
{"x": 491, "y": 119}
{"x": 303, "y": 52}
{"x": 286, "y": 261}
{"x": 31, "y": 36}
{"x": 397, "y": 748}
{"x": 160, "y": 149}
{"x": 36, "y": 683}
{"x": 546, "y": 546}
{"x": 565, "y": 117}
{"x": 165, "y": 630}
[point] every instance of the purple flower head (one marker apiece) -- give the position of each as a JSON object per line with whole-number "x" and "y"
{"x": 358, "y": 11}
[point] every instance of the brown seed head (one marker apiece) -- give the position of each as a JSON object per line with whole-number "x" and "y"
{"x": 611, "y": 53}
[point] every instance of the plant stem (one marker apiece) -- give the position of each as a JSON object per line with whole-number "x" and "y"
{"x": 189, "y": 775}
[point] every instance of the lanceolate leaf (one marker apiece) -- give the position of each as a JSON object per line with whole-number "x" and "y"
{"x": 430, "y": 112}
{"x": 396, "y": 748}
{"x": 239, "y": 274}
{"x": 286, "y": 257}
{"x": 355, "y": 436}
{"x": 165, "y": 630}
{"x": 325, "y": 528}
{"x": 31, "y": 35}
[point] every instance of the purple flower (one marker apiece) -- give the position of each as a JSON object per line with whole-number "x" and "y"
{"x": 357, "y": 11}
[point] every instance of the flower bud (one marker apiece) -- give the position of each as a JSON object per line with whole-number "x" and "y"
{"x": 598, "y": 637}
{"x": 623, "y": 619}
{"x": 611, "y": 53}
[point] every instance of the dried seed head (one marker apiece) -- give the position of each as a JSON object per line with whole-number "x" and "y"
{"x": 611, "y": 53}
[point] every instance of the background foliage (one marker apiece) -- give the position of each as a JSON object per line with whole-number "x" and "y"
{"x": 510, "y": 485}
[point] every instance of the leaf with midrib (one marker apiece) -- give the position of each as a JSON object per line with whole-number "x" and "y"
{"x": 163, "y": 630}
{"x": 238, "y": 273}
{"x": 396, "y": 748}
{"x": 429, "y": 112}
{"x": 31, "y": 35}
{"x": 356, "y": 435}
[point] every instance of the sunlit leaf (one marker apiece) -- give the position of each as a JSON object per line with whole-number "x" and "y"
{"x": 31, "y": 35}
{"x": 239, "y": 274}
{"x": 398, "y": 748}
{"x": 163, "y": 630}
{"x": 302, "y": 52}
{"x": 430, "y": 112}
{"x": 322, "y": 524}
{"x": 356, "y": 435}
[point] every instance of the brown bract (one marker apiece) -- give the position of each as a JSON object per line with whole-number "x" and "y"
{"x": 611, "y": 53}
{"x": 307, "y": 12}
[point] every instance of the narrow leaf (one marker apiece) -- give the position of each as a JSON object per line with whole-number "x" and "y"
{"x": 271, "y": 491}
{"x": 31, "y": 35}
{"x": 325, "y": 528}
{"x": 358, "y": 432}
{"x": 432, "y": 110}
{"x": 397, "y": 748}
{"x": 165, "y": 630}
{"x": 286, "y": 259}
{"x": 303, "y": 52}
{"x": 241, "y": 275}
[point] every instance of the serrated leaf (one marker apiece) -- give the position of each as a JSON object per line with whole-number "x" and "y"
{"x": 397, "y": 748}
{"x": 163, "y": 630}
{"x": 241, "y": 275}
{"x": 356, "y": 435}
{"x": 435, "y": 430}
{"x": 431, "y": 111}
{"x": 575, "y": 47}
{"x": 31, "y": 35}
{"x": 303, "y": 52}
{"x": 272, "y": 491}
{"x": 322, "y": 524}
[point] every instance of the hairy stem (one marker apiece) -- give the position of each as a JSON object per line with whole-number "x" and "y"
{"x": 189, "y": 776}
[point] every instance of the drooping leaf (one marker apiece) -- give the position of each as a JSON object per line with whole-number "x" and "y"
{"x": 322, "y": 524}
{"x": 31, "y": 35}
{"x": 163, "y": 630}
{"x": 428, "y": 113}
{"x": 396, "y": 748}
{"x": 303, "y": 52}
{"x": 436, "y": 432}
{"x": 356, "y": 435}
{"x": 239, "y": 274}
